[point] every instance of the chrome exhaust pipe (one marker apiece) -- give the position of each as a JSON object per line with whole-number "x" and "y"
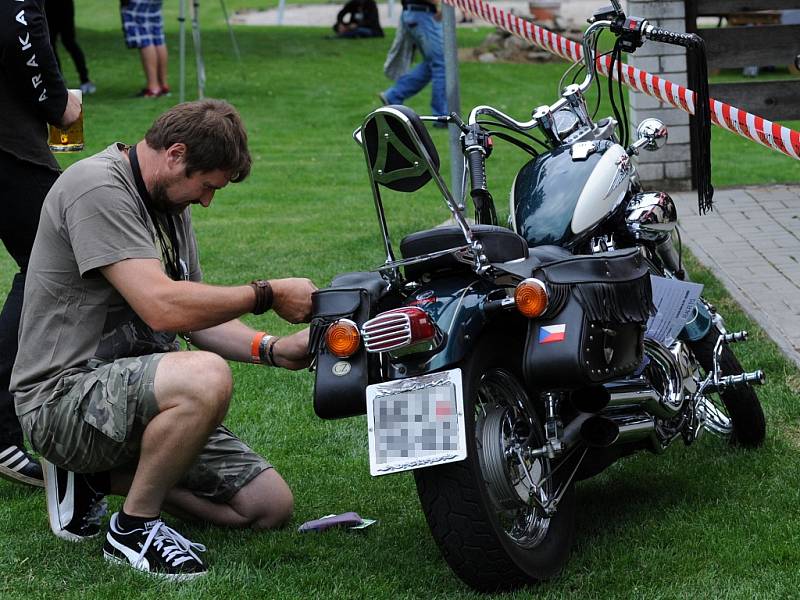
{"x": 604, "y": 430}
{"x": 628, "y": 394}
{"x": 633, "y": 428}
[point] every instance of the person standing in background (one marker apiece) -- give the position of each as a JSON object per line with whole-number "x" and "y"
{"x": 32, "y": 94}
{"x": 61, "y": 21}
{"x": 421, "y": 22}
{"x": 143, "y": 26}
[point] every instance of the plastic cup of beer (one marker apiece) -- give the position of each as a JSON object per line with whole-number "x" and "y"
{"x": 71, "y": 138}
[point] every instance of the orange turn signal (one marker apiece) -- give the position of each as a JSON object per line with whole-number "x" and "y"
{"x": 531, "y": 298}
{"x": 343, "y": 338}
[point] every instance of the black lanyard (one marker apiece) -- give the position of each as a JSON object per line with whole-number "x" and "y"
{"x": 168, "y": 240}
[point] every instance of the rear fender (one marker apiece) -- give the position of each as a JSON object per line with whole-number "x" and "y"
{"x": 456, "y": 305}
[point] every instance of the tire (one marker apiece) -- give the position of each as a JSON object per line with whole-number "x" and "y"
{"x": 462, "y": 513}
{"x": 741, "y": 403}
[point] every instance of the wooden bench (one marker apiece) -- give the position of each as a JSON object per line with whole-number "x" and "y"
{"x": 756, "y": 40}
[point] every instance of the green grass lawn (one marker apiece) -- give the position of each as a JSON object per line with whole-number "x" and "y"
{"x": 705, "y": 521}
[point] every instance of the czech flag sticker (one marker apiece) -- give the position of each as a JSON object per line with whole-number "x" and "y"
{"x": 552, "y": 333}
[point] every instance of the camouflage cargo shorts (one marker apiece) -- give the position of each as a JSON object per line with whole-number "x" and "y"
{"x": 94, "y": 422}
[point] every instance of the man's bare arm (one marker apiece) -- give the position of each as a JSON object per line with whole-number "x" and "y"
{"x": 167, "y": 305}
{"x": 232, "y": 340}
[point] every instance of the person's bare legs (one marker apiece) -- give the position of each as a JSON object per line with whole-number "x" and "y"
{"x": 193, "y": 390}
{"x": 161, "y": 66}
{"x": 264, "y": 503}
{"x": 149, "y": 56}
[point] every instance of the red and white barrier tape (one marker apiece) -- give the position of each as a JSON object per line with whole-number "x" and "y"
{"x": 769, "y": 134}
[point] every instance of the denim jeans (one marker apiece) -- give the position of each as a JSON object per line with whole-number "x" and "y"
{"x": 24, "y": 186}
{"x": 426, "y": 32}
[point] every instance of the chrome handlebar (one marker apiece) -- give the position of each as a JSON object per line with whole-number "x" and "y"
{"x": 589, "y": 52}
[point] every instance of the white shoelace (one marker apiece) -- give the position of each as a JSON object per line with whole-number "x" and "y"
{"x": 175, "y": 548}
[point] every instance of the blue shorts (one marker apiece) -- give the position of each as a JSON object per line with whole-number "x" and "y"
{"x": 143, "y": 23}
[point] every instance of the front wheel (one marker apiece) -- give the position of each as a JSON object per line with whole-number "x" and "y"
{"x": 740, "y": 416}
{"x": 480, "y": 511}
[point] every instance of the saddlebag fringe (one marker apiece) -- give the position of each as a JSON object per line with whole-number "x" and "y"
{"x": 559, "y": 294}
{"x": 611, "y": 287}
{"x": 618, "y": 302}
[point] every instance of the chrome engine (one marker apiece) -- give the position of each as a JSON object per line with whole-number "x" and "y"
{"x": 656, "y": 404}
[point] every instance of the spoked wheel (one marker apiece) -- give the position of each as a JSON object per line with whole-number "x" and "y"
{"x": 486, "y": 512}
{"x": 736, "y": 413}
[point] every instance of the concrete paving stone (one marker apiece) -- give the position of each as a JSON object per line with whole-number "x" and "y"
{"x": 780, "y": 285}
{"x": 776, "y": 196}
{"x": 786, "y": 241}
{"x": 787, "y": 216}
{"x": 759, "y": 241}
{"x": 787, "y": 256}
{"x": 793, "y": 334}
{"x": 725, "y": 235}
{"x": 791, "y": 271}
{"x": 734, "y": 245}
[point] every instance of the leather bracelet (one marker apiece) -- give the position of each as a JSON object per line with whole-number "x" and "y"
{"x": 255, "y": 346}
{"x": 271, "y": 354}
{"x": 264, "y": 296}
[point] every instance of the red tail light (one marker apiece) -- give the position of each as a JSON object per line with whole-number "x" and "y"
{"x": 401, "y": 331}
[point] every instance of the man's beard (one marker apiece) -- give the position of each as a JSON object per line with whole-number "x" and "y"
{"x": 161, "y": 200}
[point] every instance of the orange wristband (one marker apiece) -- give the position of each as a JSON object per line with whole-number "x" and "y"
{"x": 254, "y": 354}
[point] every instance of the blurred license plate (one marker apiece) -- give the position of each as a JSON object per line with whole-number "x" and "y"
{"x": 416, "y": 422}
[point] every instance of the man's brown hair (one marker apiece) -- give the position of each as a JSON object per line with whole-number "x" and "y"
{"x": 213, "y": 133}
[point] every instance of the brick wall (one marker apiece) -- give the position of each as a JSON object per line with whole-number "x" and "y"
{"x": 670, "y": 167}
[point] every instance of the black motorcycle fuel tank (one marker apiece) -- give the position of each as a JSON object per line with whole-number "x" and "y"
{"x": 559, "y": 198}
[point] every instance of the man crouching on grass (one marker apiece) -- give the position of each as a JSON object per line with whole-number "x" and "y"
{"x": 100, "y": 388}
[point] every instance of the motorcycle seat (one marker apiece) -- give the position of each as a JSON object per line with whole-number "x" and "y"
{"x": 500, "y": 245}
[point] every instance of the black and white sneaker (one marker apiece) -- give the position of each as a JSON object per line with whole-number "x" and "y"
{"x": 73, "y": 505}
{"x": 17, "y": 465}
{"x": 156, "y": 549}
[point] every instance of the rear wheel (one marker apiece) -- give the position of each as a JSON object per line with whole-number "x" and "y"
{"x": 480, "y": 510}
{"x": 740, "y": 416}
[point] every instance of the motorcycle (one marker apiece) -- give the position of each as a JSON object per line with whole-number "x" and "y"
{"x": 503, "y": 365}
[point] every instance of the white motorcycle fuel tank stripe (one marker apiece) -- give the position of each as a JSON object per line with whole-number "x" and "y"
{"x": 604, "y": 190}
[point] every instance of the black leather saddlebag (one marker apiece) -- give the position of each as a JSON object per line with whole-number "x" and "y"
{"x": 340, "y": 383}
{"x": 593, "y": 329}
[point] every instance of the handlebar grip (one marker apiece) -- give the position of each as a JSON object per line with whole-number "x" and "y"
{"x": 477, "y": 170}
{"x": 687, "y": 40}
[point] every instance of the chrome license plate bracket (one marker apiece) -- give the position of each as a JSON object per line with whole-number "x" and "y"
{"x": 416, "y": 422}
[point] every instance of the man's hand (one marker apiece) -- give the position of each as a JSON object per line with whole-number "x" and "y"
{"x": 72, "y": 112}
{"x": 291, "y": 352}
{"x": 291, "y": 298}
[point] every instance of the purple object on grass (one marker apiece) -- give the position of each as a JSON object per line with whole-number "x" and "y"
{"x": 347, "y": 519}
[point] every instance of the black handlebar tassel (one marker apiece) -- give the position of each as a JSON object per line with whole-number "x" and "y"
{"x": 700, "y": 123}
